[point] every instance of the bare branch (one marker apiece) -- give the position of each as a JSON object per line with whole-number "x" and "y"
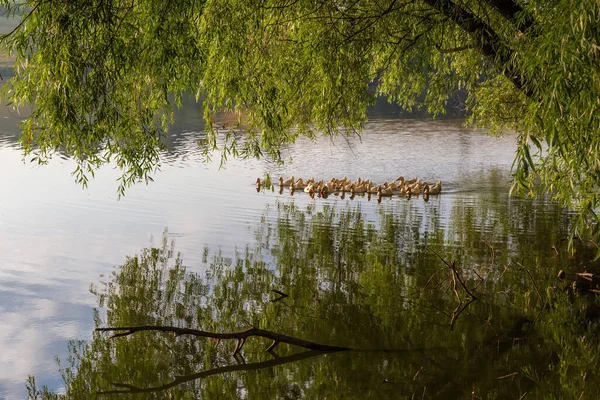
{"x": 239, "y": 336}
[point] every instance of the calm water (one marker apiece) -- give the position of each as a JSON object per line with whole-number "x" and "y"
{"x": 358, "y": 274}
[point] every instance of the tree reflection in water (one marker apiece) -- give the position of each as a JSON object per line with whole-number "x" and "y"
{"x": 381, "y": 288}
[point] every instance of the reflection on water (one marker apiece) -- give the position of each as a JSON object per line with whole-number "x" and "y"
{"x": 356, "y": 272}
{"x": 379, "y": 286}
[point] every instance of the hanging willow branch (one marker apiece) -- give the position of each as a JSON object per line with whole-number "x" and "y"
{"x": 239, "y": 336}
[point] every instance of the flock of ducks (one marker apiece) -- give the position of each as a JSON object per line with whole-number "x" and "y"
{"x": 400, "y": 186}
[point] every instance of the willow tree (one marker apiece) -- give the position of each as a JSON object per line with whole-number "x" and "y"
{"x": 105, "y": 76}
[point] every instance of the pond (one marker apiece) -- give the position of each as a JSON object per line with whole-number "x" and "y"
{"x": 453, "y": 297}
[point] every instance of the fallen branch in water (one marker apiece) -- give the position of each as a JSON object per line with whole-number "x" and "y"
{"x": 240, "y": 337}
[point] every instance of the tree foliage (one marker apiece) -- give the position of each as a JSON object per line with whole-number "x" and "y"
{"x": 104, "y": 76}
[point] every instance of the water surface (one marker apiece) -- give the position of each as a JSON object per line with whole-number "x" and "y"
{"x": 357, "y": 273}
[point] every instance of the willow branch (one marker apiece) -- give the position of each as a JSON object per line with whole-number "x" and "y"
{"x": 511, "y": 11}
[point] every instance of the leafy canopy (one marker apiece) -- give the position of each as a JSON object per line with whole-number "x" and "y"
{"x": 103, "y": 77}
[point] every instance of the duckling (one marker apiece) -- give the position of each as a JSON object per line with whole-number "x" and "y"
{"x": 385, "y": 191}
{"x": 425, "y": 189}
{"x": 436, "y": 188}
{"x": 299, "y": 184}
{"x": 348, "y": 187}
{"x": 415, "y": 189}
{"x": 359, "y": 189}
{"x": 373, "y": 189}
{"x": 310, "y": 188}
{"x": 404, "y": 189}
{"x": 287, "y": 182}
{"x": 330, "y": 186}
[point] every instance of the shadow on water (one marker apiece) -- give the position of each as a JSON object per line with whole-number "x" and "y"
{"x": 424, "y": 309}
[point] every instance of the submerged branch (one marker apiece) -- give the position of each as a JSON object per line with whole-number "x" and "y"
{"x": 239, "y": 336}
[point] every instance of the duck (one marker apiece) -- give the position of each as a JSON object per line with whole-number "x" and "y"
{"x": 310, "y": 188}
{"x": 385, "y": 191}
{"x": 330, "y": 186}
{"x": 299, "y": 184}
{"x": 393, "y": 184}
{"x": 348, "y": 187}
{"x": 359, "y": 189}
{"x": 426, "y": 192}
{"x": 287, "y": 182}
{"x": 415, "y": 189}
{"x": 373, "y": 189}
{"x": 436, "y": 188}
{"x": 411, "y": 181}
{"x": 404, "y": 189}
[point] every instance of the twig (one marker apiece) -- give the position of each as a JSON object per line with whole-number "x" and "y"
{"x": 588, "y": 276}
{"x": 454, "y": 288}
{"x": 456, "y": 313}
{"x": 491, "y": 251}
{"x": 507, "y": 376}
{"x": 453, "y": 266}
{"x": 431, "y": 277}
{"x": 417, "y": 374}
{"x": 530, "y": 277}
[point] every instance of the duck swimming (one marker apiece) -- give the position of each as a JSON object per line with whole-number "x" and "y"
{"x": 436, "y": 188}
{"x": 388, "y": 191}
{"x": 287, "y": 182}
{"x": 405, "y": 187}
